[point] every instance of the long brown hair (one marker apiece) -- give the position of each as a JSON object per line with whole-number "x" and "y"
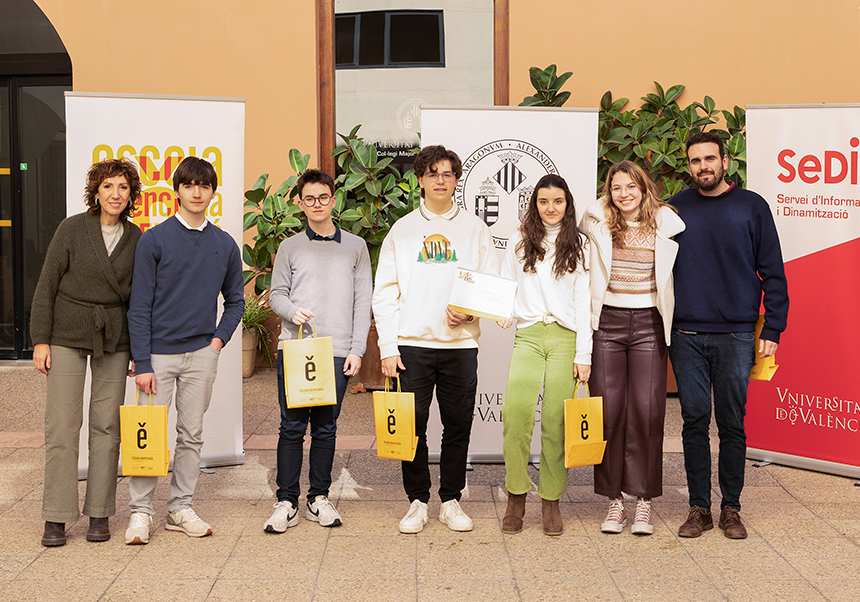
{"x": 568, "y": 246}
{"x": 648, "y": 210}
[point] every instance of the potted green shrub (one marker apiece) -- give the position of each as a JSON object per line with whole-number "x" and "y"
{"x": 255, "y": 334}
{"x": 370, "y": 195}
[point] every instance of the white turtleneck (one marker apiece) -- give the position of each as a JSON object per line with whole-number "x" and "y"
{"x": 543, "y": 298}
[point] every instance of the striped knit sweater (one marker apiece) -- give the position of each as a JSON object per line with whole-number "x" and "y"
{"x": 632, "y": 283}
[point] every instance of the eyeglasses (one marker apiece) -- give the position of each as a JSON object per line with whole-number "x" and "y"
{"x": 629, "y": 189}
{"x": 310, "y": 201}
{"x": 445, "y": 175}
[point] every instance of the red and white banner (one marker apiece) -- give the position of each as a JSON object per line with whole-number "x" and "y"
{"x": 804, "y": 161}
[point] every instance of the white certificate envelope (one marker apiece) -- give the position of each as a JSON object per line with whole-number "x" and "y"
{"x": 483, "y": 295}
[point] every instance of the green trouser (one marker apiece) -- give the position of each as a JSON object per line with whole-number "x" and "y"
{"x": 64, "y": 415}
{"x": 543, "y": 355}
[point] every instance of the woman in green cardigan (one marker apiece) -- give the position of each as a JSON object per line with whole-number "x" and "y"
{"x": 79, "y": 310}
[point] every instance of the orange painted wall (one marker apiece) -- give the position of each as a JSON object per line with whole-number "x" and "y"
{"x": 739, "y": 52}
{"x": 260, "y": 50}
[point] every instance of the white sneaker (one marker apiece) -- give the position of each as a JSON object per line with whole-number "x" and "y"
{"x": 138, "y": 529}
{"x": 616, "y": 519}
{"x": 286, "y": 515}
{"x": 642, "y": 522}
{"x": 322, "y": 511}
{"x": 415, "y": 519}
{"x": 188, "y": 522}
{"x": 452, "y": 515}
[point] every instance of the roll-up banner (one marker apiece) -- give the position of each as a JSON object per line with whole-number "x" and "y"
{"x": 157, "y": 132}
{"x": 804, "y": 160}
{"x": 505, "y": 151}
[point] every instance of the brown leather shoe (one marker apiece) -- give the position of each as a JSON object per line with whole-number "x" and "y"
{"x": 55, "y": 534}
{"x": 514, "y": 513}
{"x": 552, "y": 524}
{"x": 698, "y": 521}
{"x": 730, "y": 523}
{"x": 99, "y": 529}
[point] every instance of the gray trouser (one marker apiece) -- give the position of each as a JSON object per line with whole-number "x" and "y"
{"x": 64, "y": 412}
{"x": 191, "y": 375}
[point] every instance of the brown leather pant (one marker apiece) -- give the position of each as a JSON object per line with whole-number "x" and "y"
{"x": 629, "y": 372}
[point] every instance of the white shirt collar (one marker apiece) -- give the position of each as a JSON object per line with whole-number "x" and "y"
{"x": 449, "y": 215}
{"x": 184, "y": 223}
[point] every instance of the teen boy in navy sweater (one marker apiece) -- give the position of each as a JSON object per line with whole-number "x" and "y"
{"x": 180, "y": 268}
{"x": 728, "y": 255}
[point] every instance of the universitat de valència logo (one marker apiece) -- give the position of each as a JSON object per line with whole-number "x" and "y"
{"x": 497, "y": 183}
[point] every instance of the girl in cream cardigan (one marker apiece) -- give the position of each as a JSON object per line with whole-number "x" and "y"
{"x": 632, "y": 253}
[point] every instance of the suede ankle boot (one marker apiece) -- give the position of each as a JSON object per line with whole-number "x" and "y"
{"x": 514, "y": 513}
{"x": 552, "y": 524}
{"x": 55, "y": 534}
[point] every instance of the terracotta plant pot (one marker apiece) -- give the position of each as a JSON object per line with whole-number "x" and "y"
{"x": 249, "y": 352}
{"x": 370, "y": 374}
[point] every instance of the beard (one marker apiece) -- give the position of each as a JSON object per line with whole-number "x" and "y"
{"x": 707, "y": 186}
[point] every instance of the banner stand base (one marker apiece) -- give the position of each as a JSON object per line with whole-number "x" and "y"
{"x": 844, "y": 470}
{"x": 235, "y": 459}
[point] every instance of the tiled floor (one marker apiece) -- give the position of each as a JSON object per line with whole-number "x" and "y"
{"x": 803, "y": 544}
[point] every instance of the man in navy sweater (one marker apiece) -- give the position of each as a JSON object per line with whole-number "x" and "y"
{"x": 728, "y": 256}
{"x": 180, "y": 268}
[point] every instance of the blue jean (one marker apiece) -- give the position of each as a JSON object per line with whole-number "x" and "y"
{"x": 722, "y": 361}
{"x": 291, "y": 436}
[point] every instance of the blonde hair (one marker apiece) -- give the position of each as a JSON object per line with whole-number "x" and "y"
{"x": 648, "y": 209}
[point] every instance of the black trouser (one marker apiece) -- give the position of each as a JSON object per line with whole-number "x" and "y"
{"x": 454, "y": 375}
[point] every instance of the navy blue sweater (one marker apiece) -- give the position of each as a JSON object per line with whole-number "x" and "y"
{"x": 728, "y": 255}
{"x": 178, "y": 274}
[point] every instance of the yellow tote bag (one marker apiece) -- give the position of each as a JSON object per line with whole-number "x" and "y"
{"x": 309, "y": 371}
{"x": 394, "y": 413}
{"x": 143, "y": 435}
{"x": 765, "y": 367}
{"x": 583, "y": 430}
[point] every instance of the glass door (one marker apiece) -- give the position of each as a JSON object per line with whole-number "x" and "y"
{"x": 7, "y": 287}
{"x": 32, "y": 196}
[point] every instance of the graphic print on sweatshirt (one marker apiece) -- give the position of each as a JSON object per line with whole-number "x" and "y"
{"x": 437, "y": 249}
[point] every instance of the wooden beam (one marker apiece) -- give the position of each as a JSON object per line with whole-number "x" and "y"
{"x": 501, "y": 53}
{"x": 325, "y": 84}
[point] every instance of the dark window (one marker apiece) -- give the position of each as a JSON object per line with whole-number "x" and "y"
{"x": 344, "y": 40}
{"x": 389, "y": 39}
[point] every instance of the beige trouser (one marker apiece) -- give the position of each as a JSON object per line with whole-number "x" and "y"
{"x": 191, "y": 375}
{"x": 64, "y": 410}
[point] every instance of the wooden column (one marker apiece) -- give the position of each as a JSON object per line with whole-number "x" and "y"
{"x": 501, "y": 53}
{"x": 325, "y": 84}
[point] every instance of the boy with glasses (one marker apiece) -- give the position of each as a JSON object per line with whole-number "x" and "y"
{"x": 323, "y": 274}
{"x": 423, "y": 340}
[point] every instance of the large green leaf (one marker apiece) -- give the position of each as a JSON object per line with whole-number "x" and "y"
{"x": 354, "y": 180}
{"x": 249, "y": 256}
{"x": 250, "y": 220}
{"x": 673, "y": 93}
{"x": 298, "y": 162}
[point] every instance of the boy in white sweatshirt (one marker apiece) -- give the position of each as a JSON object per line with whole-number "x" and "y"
{"x": 428, "y": 344}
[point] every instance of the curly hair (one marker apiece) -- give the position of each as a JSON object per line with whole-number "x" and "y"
{"x": 648, "y": 210}
{"x": 104, "y": 170}
{"x": 433, "y": 154}
{"x": 568, "y": 245}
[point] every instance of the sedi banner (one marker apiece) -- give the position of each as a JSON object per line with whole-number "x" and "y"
{"x": 804, "y": 161}
{"x": 505, "y": 151}
{"x": 157, "y": 133}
